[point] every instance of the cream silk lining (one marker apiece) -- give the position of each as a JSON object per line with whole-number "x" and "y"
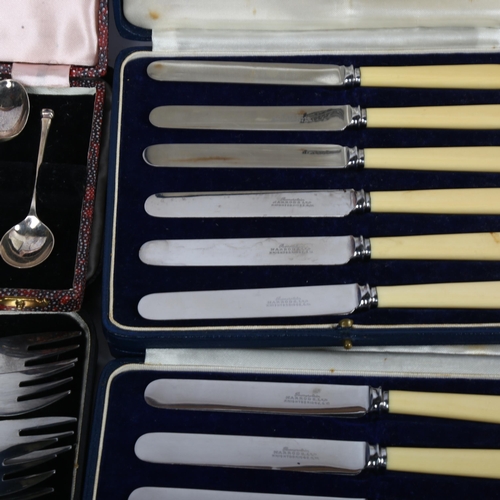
{"x": 55, "y": 32}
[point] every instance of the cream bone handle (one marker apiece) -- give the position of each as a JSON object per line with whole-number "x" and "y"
{"x": 469, "y": 295}
{"x": 453, "y": 462}
{"x": 438, "y": 201}
{"x": 472, "y": 407}
{"x": 459, "y": 159}
{"x": 471, "y": 246}
{"x": 476, "y": 116}
{"x": 480, "y": 76}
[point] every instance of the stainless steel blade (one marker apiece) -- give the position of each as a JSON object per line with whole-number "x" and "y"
{"x": 255, "y": 303}
{"x": 328, "y": 118}
{"x": 253, "y": 156}
{"x": 346, "y": 457}
{"x": 153, "y": 493}
{"x": 320, "y": 250}
{"x": 277, "y": 397}
{"x": 269, "y": 73}
{"x": 328, "y": 203}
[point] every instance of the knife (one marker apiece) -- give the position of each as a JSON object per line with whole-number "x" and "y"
{"x": 318, "y": 250}
{"x": 319, "y": 300}
{"x": 322, "y": 203}
{"x": 312, "y": 455}
{"x": 152, "y": 493}
{"x": 325, "y": 118}
{"x": 473, "y": 76}
{"x": 316, "y": 399}
{"x": 465, "y": 159}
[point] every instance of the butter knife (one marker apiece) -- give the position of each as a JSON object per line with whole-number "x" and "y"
{"x": 331, "y": 156}
{"x": 153, "y": 493}
{"x": 474, "y": 76}
{"x": 325, "y": 118}
{"x": 312, "y": 455}
{"x": 317, "y": 250}
{"x": 317, "y": 399}
{"x": 321, "y": 300}
{"x": 322, "y": 203}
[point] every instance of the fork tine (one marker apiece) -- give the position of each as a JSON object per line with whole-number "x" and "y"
{"x": 41, "y": 354}
{"x": 34, "y": 459}
{"x": 32, "y": 390}
{"x": 40, "y": 423}
{"x": 21, "y": 407}
{"x": 17, "y": 484}
{"x": 42, "y": 371}
{"x": 30, "y": 495}
{"x": 30, "y": 340}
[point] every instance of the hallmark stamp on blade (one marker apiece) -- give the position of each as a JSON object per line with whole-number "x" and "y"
{"x": 304, "y": 399}
{"x": 295, "y": 454}
{"x": 292, "y": 202}
{"x": 297, "y": 249}
{"x": 288, "y": 302}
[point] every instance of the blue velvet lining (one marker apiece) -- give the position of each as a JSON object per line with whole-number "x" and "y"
{"x": 127, "y": 417}
{"x": 136, "y": 181}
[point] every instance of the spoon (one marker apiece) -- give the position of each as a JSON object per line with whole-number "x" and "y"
{"x": 30, "y": 242}
{"x": 14, "y": 109}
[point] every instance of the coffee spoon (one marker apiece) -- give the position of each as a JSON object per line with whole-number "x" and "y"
{"x": 30, "y": 241}
{"x": 14, "y": 109}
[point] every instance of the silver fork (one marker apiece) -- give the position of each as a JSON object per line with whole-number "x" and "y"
{"x": 20, "y": 452}
{"x": 17, "y": 398}
{"x": 18, "y": 352}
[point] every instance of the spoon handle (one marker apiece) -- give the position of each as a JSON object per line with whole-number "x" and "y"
{"x": 47, "y": 115}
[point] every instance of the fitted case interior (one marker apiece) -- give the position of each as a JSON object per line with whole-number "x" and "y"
{"x": 132, "y": 180}
{"x": 115, "y": 470}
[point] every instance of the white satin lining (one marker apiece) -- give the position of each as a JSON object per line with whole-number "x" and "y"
{"x": 58, "y": 32}
{"x": 374, "y": 41}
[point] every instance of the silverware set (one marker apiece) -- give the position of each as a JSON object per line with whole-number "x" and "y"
{"x": 33, "y": 375}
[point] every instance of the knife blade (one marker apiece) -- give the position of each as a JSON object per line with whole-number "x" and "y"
{"x": 325, "y": 118}
{"x": 317, "y": 250}
{"x": 311, "y": 455}
{"x": 153, "y": 493}
{"x": 316, "y": 399}
{"x": 476, "y": 76}
{"x": 321, "y": 300}
{"x": 322, "y": 203}
{"x": 332, "y": 156}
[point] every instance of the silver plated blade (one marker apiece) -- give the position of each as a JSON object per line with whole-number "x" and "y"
{"x": 154, "y": 493}
{"x": 327, "y": 118}
{"x": 252, "y": 303}
{"x": 346, "y": 457}
{"x": 307, "y": 251}
{"x": 252, "y": 156}
{"x": 249, "y": 396}
{"x": 269, "y": 73}
{"x": 328, "y": 203}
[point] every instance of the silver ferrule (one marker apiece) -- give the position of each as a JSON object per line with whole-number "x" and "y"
{"x": 361, "y": 201}
{"x": 352, "y": 76}
{"x": 358, "y": 116}
{"x": 362, "y": 248}
{"x": 355, "y": 157}
{"x": 377, "y": 457}
{"x": 379, "y": 399}
{"x": 367, "y": 297}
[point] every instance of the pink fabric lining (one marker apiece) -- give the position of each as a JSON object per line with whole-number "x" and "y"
{"x": 41, "y": 75}
{"x": 60, "y": 32}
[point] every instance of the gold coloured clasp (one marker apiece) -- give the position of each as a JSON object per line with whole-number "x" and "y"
{"x": 22, "y": 303}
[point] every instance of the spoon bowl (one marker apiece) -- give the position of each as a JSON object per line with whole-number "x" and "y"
{"x": 14, "y": 109}
{"x": 30, "y": 242}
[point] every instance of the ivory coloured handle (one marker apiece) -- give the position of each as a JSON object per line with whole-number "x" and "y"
{"x": 465, "y": 159}
{"x": 477, "y": 116}
{"x": 438, "y": 201}
{"x": 474, "y": 76}
{"x": 453, "y": 462}
{"x": 472, "y": 295}
{"x": 471, "y": 246}
{"x": 472, "y": 407}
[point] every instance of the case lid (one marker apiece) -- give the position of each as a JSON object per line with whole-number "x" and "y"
{"x": 333, "y": 26}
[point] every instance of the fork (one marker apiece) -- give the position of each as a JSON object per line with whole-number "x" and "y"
{"x": 18, "y": 352}
{"x": 17, "y": 398}
{"x": 20, "y": 452}
{"x": 29, "y": 495}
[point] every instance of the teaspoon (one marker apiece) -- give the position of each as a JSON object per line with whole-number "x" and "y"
{"x": 14, "y": 109}
{"x": 30, "y": 241}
